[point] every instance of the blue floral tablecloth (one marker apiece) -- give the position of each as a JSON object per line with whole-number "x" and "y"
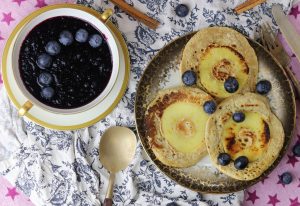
{"x": 63, "y": 168}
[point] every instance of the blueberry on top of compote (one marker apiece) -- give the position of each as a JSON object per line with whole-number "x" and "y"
{"x": 81, "y": 35}
{"x": 47, "y": 93}
{"x": 66, "y": 38}
{"x": 52, "y": 48}
{"x": 95, "y": 40}
{"x": 44, "y": 61}
{"x": 45, "y": 78}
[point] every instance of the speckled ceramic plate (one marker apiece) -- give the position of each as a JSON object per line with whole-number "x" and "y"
{"x": 163, "y": 72}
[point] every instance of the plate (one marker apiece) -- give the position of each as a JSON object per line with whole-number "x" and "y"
{"x": 163, "y": 72}
{"x": 67, "y": 121}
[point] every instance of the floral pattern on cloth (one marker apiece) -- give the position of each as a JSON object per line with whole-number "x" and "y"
{"x": 63, "y": 168}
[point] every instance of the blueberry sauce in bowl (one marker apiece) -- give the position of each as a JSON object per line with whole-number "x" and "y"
{"x": 65, "y": 63}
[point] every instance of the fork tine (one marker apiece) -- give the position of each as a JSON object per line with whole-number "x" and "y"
{"x": 264, "y": 42}
{"x": 272, "y": 33}
{"x": 276, "y": 40}
{"x": 267, "y": 39}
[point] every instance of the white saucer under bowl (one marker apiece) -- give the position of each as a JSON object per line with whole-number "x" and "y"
{"x": 66, "y": 121}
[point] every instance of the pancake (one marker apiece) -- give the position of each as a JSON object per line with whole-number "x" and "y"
{"x": 216, "y": 53}
{"x": 176, "y": 122}
{"x": 259, "y": 137}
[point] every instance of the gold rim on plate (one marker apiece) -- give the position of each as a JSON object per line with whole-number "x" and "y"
{"x": 115, "y": 31}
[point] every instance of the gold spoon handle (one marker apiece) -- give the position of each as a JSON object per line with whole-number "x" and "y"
{"x": 109, "y": 192}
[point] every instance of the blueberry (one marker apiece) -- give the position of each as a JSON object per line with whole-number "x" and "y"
{"x": 95, "y": 40}
{"x": 81, "y": 35}
{"x": 66, "y": 38}
{"x": 224, "y": 159}
{"x": 181, "y": 10}
{"x": 238, "y": 116}
{"x": 241, "y": 162}
{"x": 231, "y": 84}
{"x": 189, "y": 78}
{"x": 263, "y": 87}
{"x": 52, "y": 48}
{"x": 44, "y": 61}
{"x": 210, "y": 106}
{"x": 296, "y": 150}
{"x": 45, "y": 78}
{"x": 47, "y": 93}
{"x": 286, "y": 178}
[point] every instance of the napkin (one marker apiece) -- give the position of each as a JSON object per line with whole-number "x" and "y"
{"x": 63, "y": 168}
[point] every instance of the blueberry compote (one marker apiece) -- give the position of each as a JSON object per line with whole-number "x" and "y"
{"x": 65, "y": 62}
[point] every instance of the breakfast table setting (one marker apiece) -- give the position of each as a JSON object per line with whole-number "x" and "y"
{"x": 102, "y": 154}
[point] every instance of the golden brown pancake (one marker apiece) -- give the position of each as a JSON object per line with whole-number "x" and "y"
{"x": 176, "y": 122}
{"x": 216, "y": 53}
{"x": 259, "y": 137}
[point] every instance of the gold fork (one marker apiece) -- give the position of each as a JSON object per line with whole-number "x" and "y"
{"x": 272, "y": 44}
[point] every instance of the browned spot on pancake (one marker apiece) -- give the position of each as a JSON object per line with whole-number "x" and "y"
{"x": 232, "y": 49}
{"x": 153, "y": 143}
{"x": 237, "y": 142}
{"x": 166, "y": 101}
{"x": 233, "y": 45}
{"x": 232, "y": 146}
{"x": 247, "y": 133}
{"x": 186, "y": 128}
{"x": 222, "y": 70}
{"x": 249, "y": 105}
{"x": 226, "y": 117}
{"x": 254, "y": 149}
{"x": 214, "y": 94}
{"x": 151, "y": 131}
{"x": 247, "y": 137}
{"x": 246, "y": 69}
{"x": 266, "y": 133}
{"x": 230, "y": 142}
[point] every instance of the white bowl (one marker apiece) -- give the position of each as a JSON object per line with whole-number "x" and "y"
{"x": 97, "y": 23}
